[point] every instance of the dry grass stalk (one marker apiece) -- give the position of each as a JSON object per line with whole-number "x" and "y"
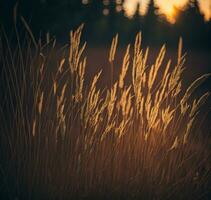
{"x": 113, "y": 48}
{"x": 125, "y": 65}
{"x": 103, "y": 139}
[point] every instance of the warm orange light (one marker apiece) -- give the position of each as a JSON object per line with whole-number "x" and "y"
{"x": 167, "y": 7}
{"x": 170, "y": 13}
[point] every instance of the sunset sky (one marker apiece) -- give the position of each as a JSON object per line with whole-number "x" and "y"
{"x": 167, "y": 6}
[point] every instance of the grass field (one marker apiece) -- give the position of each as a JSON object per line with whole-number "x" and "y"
{"x": 128, "y": 124}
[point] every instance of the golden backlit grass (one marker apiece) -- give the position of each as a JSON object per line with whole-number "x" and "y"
{"x": 67, "y": 137}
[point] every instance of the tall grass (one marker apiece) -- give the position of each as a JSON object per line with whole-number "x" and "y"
{"x": 64, "y": 136}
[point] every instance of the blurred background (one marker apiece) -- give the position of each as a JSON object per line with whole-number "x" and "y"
{"x": 159, "y": 20}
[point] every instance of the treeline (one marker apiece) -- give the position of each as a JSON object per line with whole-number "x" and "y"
{"x": 104, "y": 18}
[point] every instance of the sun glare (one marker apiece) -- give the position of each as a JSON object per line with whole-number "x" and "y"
{"x": 170, "y": 13}
{"x": 167, "y": 7}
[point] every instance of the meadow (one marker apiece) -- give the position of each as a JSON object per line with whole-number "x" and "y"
{"x": 132, "y": 129}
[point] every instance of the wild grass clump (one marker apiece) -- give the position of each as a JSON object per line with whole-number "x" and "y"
{"x": 64, "y": 136}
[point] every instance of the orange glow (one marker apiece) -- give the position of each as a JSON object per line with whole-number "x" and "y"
{"x": 170, "y": 13}
{"x": 167, "y": 7}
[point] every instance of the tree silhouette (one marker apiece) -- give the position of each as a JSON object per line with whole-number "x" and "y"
{"x": 59, "y": 16}
{"x": 137, "y": 19}
{"x": 191, "y": 25}
{"x": 151, "y": 15}
{"x": 112, "y": 17}
{"x": 123, "y": 25}
{"x": 151, "y": 21}
{"x": 122, "y": 11}
{"x": 94, "y": 13}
